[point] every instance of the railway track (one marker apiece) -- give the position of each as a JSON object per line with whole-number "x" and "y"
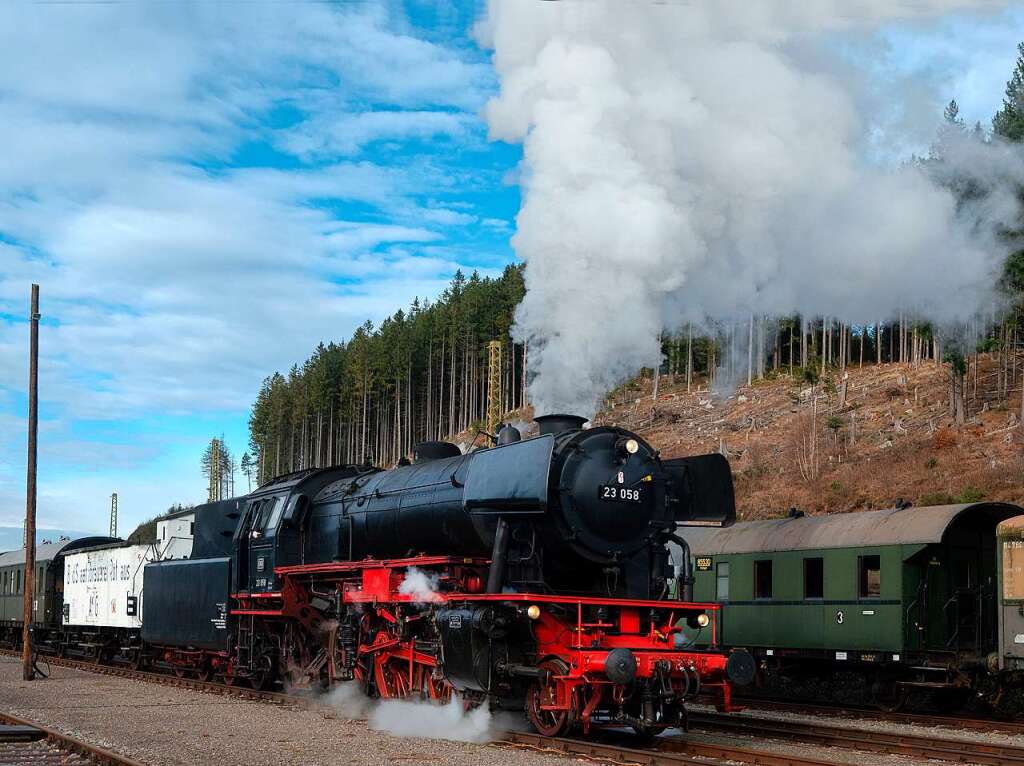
{"x": 667, "y": 750}
{"x": 666, "y": 753}
{"x": 24, "y": 742}
{"x": 954, "y": 722}
{"x": 861, "y": 739}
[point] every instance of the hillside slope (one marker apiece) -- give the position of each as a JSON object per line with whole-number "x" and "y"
{"x": 795, "y": 444}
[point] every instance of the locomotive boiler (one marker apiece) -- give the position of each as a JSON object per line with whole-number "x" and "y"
{"x": 533, "y": 574}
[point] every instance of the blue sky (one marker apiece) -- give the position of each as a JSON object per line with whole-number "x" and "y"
{"x": 205, "y": 194}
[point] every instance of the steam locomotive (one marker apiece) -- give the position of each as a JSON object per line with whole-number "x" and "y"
{"x": 532, "y": 574}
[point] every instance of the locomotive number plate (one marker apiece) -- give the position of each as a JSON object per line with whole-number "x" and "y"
{"x": 620, "y": 494}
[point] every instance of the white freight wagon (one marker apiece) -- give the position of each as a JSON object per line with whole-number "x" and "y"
{"x": 103, "y": 585}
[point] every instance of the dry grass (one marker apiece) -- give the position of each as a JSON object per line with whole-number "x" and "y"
{"x": 892, "y": 439}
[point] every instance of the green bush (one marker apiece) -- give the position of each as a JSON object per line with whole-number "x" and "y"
{"x": 935, "y": 498}
{"x": 931, "y": 463}
{"x": 971, "y": 494}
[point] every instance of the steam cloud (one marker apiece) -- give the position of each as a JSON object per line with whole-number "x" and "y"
{"x": 419, "y": 718}
{"x": 703, "y": 162}
{"x": 421, "y": 586}
{"x": 406, "y": 718}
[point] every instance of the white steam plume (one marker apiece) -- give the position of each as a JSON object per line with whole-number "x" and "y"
{"x": 695, "y": 162}
{"x": 408, "y": 718}
{"x": 421, "y": 586}
{"x": 419, "y": 718}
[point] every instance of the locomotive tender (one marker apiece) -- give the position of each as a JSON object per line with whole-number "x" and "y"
{"x": 534, "y": 573}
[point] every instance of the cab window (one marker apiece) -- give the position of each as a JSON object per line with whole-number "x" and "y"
{"x": 272, "y": 512}
{"x": 265, "y": 514}
{"x": 256, "y": 513}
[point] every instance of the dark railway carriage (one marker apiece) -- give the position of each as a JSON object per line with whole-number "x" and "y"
{"x": 907, "y": 596}
{"x": 48, "y": 604}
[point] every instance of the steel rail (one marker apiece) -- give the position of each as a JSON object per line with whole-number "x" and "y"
{"x": 869, "y": 714}
{"x": 23, "y": 747}
{"x": 667, "y": 751}
{"x": 850, "y": 738}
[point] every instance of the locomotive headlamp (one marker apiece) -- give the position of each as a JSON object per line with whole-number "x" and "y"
{"x": 703, "y": 620}
{"x": 533, "y": 611}
{"x": 626, "y": 447}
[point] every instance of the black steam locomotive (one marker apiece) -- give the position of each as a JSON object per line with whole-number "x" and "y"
{"x": 532, "y": 574}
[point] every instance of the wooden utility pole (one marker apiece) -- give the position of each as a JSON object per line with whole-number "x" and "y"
{"x": 28, "y": 672}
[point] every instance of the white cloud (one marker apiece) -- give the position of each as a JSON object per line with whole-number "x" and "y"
{"x": 146, "y": 184}
{"x": 347, "y": 134}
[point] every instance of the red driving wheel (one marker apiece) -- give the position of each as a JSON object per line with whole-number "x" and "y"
{"x": 544, "y": 692}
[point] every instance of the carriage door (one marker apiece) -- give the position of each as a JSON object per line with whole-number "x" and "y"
{"x": 963, "y": 610}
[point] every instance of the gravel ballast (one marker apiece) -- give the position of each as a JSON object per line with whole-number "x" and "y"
{"x": 167, "y": 725}
{"x": 159, "y": 725}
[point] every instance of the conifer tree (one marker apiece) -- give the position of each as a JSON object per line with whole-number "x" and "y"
{"x": 1009, "y": 121}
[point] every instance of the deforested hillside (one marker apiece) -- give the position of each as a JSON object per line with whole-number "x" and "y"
{"x": 856, "y": 439}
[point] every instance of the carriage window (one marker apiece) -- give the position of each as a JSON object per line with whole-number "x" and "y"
{"x": 17, "y": 581}
{"x": 762, "y": 579}
{"x": 870, "y": 576}
{"x": 814, "y": 578}
{"x": 722, "y": 582}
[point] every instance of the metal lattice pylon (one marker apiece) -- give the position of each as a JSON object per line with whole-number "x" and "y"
{"x": 493, "y": 385}
{"x": 215, "y": 493}
{"x": 113, "y": 515}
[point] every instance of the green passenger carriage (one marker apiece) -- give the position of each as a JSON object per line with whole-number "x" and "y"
{"x": 909, "y": 597}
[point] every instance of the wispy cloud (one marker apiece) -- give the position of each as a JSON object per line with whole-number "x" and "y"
{"x": 204, "y": 194}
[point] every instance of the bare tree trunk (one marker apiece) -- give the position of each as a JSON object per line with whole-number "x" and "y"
{"x": 803, "y": 341}
{"x": 792, "y": 329}
{"x": 750, "y": 352}
{"x": 689, "y": 356}
{"x": 824, "y": 344}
